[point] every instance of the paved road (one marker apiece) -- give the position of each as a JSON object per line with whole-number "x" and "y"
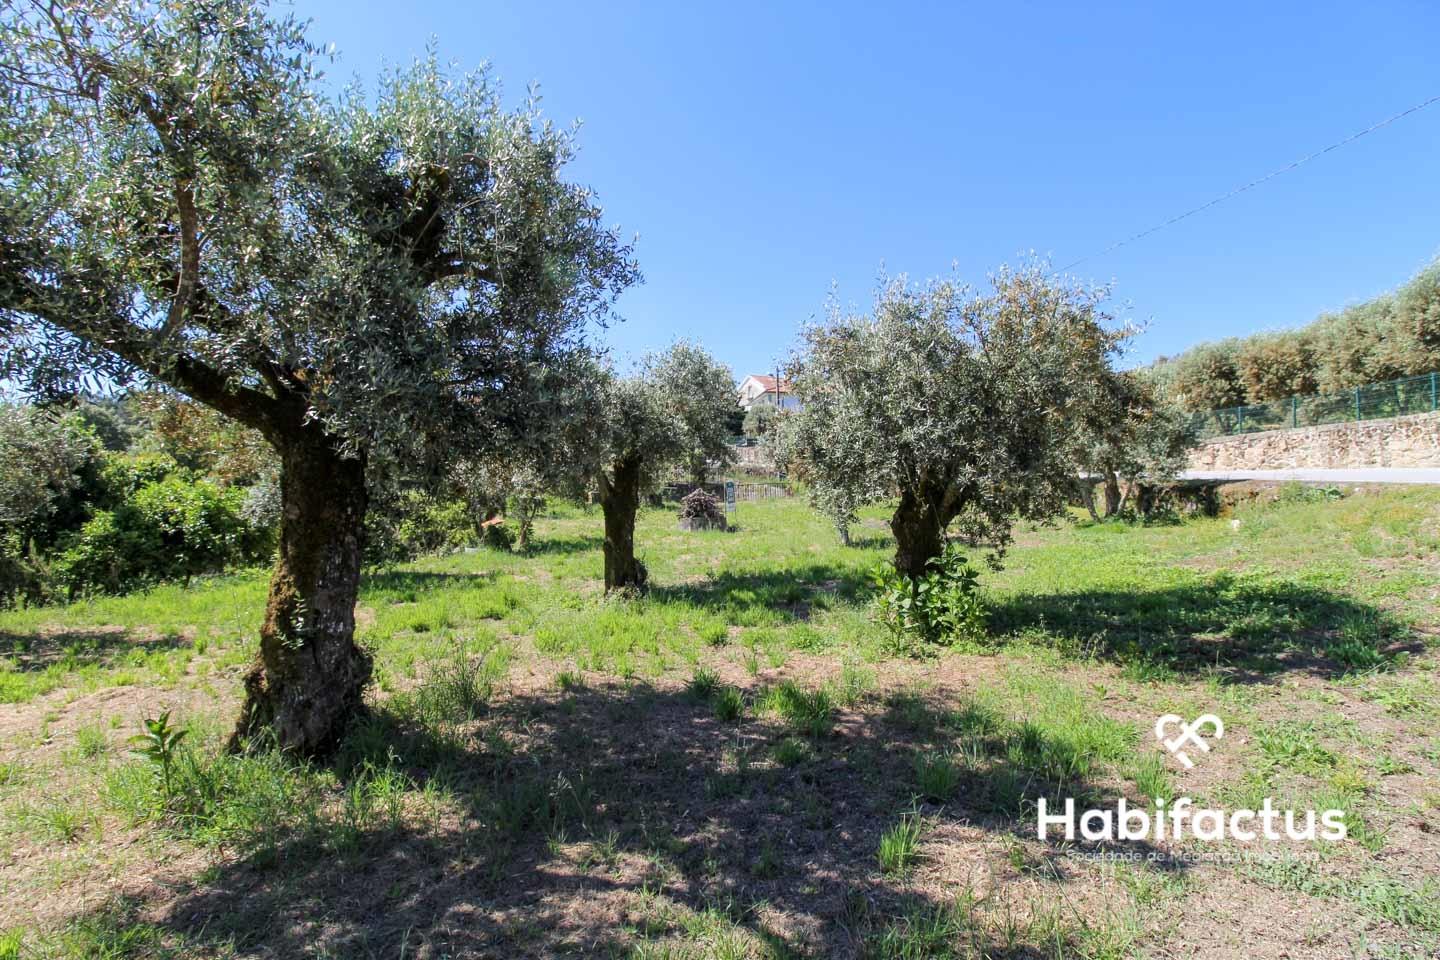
{"x": 1366, "y": 475}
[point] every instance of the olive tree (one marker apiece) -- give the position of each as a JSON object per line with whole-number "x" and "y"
{"x": 1207, "y": 377}
{"x": 508, "y": 483}
{"x": 700, "y": 391}
{"x": 41, "y": 457}
{"x": 954, "y": 400}
{"x": 1276, "y": 366}
{"x": 366, "y": 281}
{"x": 669, "y": 413}
{"x": 1129, "y": 437}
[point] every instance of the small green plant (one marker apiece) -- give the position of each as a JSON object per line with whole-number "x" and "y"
{"x": 704, "y": 684}
{"x": 791, "y": 751}
{"x": 90, "y": 742}
{"x": 811, "y": 712}
{"x": 768, "y": 862}
{"x": 941, "y": 607}
{"x": 728, "y": 704}
{"x": 158, "y": 742}
{"x": 1294, "y": 745}
{"x": 855, "y": 681}
{"x": 1357, "y": 645}
{"x": 1388, "y": 766}
{"x": 924, "y": 931}
{"x": 900, "y": 845}
{"x": 457, "y": 689}
{"x": 1151, "y": 778}
{"x": 937, "y": 776}
{"x": 10, "y": 772}
{"x": 58, "y": 821}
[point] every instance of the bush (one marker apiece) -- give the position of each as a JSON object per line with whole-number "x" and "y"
{"x": 171, "y": 529}
{"x": 940, "y": 607}
{"x": 412, "y": 523}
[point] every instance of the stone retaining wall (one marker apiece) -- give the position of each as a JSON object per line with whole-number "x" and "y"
{"x": 1412, "y": 441}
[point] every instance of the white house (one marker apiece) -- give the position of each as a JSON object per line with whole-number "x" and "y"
{"x": 757, "y": 388}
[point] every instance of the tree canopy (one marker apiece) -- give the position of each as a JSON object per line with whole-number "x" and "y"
{"x": 1391, "y": 336}
{"x": 700, "y": 390}
{"x": 181, "y": 203}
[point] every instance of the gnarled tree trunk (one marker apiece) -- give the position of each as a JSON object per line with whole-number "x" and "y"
{"x": 919, "y": 532}
{"x": 620, "y": 499}
{"x": 309, "y": 679}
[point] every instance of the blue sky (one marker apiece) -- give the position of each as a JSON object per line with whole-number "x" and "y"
{"x": 766, "y": 151}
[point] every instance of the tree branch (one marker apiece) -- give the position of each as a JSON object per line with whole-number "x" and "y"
{"x": 189, "y": 260}
{"x": 99, "y": 322}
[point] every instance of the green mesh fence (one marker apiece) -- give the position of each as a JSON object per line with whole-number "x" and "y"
{"x": 1374, "y": 401}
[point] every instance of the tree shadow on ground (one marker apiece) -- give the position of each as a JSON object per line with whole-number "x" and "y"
{"x": 420, "y": 581}
{"x": 598, "y": 819}
{"x": 792, "y": 591}
{"x": 556, "y": 545}
{"x": 1247, "y": 628}
{"x": 872, "y": 541}
{"x": 38, "y": 649}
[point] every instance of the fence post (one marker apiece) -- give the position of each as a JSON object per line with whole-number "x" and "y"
{"x": 1294, "y": 411}
{"x": 1239, "y": 419}
{"x": 1434, "y": 392}
{"x": 1357, "y": 403}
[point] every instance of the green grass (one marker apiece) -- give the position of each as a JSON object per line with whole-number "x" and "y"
{"x": 728, "y": 704}
{"x": 1296, "y": 746}
{"x": 1415, "y": 907}
{"x": 936, "y": 776}
{"x": 787, "y": 584}
{"x": 704, "y": 684}
{"x": 740, "y": 791}
{"x": 811, "y": 712}
{"x": 899, "y": 849}
{"x": 1152, "y": 779}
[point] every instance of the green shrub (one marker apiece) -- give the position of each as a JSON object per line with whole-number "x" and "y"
{"x": 942, "y": 607}
{"x": 412, "y": 523}
{"x": 173, "y": 528}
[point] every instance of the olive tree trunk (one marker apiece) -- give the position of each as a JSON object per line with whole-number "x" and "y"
{"x": 1087, "y": 497}
{"x": 620, "y": 499}
{"x": 1113, "y": 501}
{"x": 309, "y": 678}
{"x": 919, "y": 532}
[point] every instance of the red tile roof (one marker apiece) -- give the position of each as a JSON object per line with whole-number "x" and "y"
{"x": 768, "y": 383}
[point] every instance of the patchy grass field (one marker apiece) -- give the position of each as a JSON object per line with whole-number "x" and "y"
{"x": 739, "y": 766}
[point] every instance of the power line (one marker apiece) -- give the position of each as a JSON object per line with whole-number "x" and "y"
{"x": 1254, "y": 183}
